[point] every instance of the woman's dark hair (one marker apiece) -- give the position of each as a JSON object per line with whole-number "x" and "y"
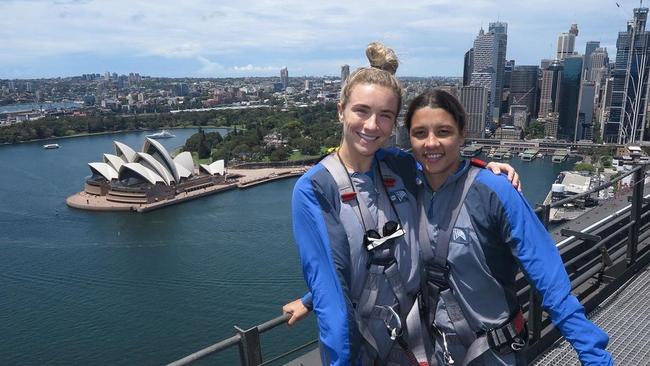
{"x": 437, "y": 99}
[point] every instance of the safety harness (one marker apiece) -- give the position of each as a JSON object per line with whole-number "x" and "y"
{"x": 402, "y": 319}
{"x": 509, "y": 337}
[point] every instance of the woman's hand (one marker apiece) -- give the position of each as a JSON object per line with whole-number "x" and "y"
{"x": 297, "y": 310}
{"x": 498, "y": 168}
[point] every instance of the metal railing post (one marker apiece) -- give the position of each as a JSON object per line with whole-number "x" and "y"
{"x": 250, "y": 352}
{"x": 635, "y": 214}
{"x": 535, "y": 301}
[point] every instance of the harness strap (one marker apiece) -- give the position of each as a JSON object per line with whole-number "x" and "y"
{"x": 496, "y": 339}
{"x": 336, "y": 168}
{"x": 458, "y": 320}
{"x": 382, "y": 262}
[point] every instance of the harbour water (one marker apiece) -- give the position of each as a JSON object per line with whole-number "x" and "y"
{"x": 81, "y": 287}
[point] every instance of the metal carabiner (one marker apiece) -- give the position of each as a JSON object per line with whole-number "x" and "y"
{"x": 518, "y": 344}
{"x": 396, "y": 331}
{"x": 447, "y": 358}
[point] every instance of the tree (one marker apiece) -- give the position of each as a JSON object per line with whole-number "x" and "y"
{"x": 279, "y": 154}
{"x": 535, "y": 130}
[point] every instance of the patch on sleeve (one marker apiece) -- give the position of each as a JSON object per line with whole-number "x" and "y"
{"x": 460, "y": 236}
{"x": 398, "y": 195}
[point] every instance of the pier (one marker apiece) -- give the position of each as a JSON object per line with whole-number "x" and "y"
{"x": 606, "y": 254}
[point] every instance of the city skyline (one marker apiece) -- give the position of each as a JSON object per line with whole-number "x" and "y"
{"x": 201, "y": 39}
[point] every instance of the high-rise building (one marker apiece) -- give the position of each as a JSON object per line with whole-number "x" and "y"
{"x": 523, "y": 88}
{"x": 627, "y": 121}
{"x": 598, "y": 62}
{"x": 345, "y": 73}
{"x": 569, "y": 96}
{"x": 566, "y": 42}
{"x": 584, "y": 126}
{"x": 308, "y": 85}
{"x": 500, "y": 31}
{"x": 590, "y": 47}
{"x": 468, "y": 67}
{"x": 507, "y": 73}
{"x": 475, "y": 101}
{"x": 486, "y": 80}
{"x": 284, "y": 78}
{"x": 550, "y": 122}
{"x": 549, "y": 101}
{"x": 484, "y": 69}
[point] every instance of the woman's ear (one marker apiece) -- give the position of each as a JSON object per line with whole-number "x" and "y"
{"x": 339, "y": 111}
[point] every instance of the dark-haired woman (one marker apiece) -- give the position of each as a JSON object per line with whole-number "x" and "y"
{"x": 475, "y": 231}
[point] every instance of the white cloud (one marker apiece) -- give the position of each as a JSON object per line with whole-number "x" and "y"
{"x": 292, "y": 32}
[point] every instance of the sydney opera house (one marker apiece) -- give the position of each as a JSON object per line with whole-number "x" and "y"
{"x": 150, "y": 175}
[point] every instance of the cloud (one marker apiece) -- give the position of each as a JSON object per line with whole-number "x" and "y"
{"x": 302, "y": 35}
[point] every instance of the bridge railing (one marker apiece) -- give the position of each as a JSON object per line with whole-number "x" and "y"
{"x": 598, "y": 259}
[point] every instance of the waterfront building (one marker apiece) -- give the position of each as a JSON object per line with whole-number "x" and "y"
{"x": 566, "y": 42}
{"x": 523, "y": 88}
{"x": 345, "y": 74}
{"x": 550, "y": 88}
{"x": 475, "y": 102}
{"x": 150, "y": 175}
{"x": 569, "y": 96}
{"x": 508, "y": 133}
{"x": 284, "y": 78}
{"x": 468, "y": 66}
{"x": 627, "y": 118}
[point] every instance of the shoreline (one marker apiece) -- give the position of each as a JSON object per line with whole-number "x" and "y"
{"x": 113, "y": 133}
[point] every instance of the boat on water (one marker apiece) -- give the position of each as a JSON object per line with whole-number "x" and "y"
{"x": 51, "y": 146}
{"x": 500, "y": 153}
{"x": 529, "y": 154}
{"x": 164, "y": 134}
{"x": 471, "y": 150}
{"x": 560, "y": 156}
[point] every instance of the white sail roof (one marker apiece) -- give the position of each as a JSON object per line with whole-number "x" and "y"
{"x": 114, "y": 161}
{"x": 124, "y": 151}
{"x": 155, "y": 149}
{"x": 104, "y": 170}
{"x": 218, "y": 167}
{"x": 185, "y": 159}
{"x": 146, "y": 173}
{"x": 155, "y": 165}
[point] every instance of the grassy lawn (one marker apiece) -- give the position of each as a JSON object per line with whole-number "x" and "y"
{"x": 297, "y": 155}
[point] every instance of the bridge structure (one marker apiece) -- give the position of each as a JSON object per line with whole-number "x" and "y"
{"x": 606, "y": 253}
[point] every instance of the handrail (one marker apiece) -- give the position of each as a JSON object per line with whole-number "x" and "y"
{"x": 629, "y": 218}
{"x": 229, "y": 342}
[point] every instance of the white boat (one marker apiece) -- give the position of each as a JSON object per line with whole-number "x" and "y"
{"x": 164, "y": 134}
{"x": 51, "y": 146}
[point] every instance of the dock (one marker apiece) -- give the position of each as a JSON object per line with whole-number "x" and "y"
{"x": 560, "y": 156}
{"x": 529, "y": 154}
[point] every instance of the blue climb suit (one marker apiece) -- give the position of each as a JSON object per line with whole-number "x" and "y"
{"x": 495, "y": 233}
{"x": 329, "y": 234}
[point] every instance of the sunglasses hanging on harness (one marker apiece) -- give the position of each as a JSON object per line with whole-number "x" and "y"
{"x": 379, "y": 240}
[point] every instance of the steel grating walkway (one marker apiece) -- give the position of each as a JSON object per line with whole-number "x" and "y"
{"x": 625, "y": 316}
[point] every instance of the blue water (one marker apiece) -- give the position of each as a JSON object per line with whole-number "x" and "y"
{"x": 26, "y": 107}
{"x": 79, "y": 287}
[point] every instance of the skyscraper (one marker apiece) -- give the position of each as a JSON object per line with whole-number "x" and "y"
{"x": 590, "y": 47}
{"x": 507, "y": 73}
{"x": 500, "y": 31}
{"x": 566, "y": 42}
{"x": 627, "y": 118}
{"x": 345, "y": 73}
{"x": 523, "y": 88}
{"x": 584, "y": 126}
{"x": 550, "y": 89}
{"x": 484, "y": 69}
{"x": 284, "y": 78}
{"x": 598, "y": 62}
{"x": 468, "y": 67}
{"x": 474, "y": 100}
{"x": 569, "y": 96}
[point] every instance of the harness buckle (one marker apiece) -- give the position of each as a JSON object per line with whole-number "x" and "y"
{"x": 396, "y": 331}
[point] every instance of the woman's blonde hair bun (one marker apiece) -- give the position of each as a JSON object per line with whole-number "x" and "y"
{"x": 382, "y": 57}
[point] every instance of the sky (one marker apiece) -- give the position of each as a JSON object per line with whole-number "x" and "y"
{"x": 225, "y": 38}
